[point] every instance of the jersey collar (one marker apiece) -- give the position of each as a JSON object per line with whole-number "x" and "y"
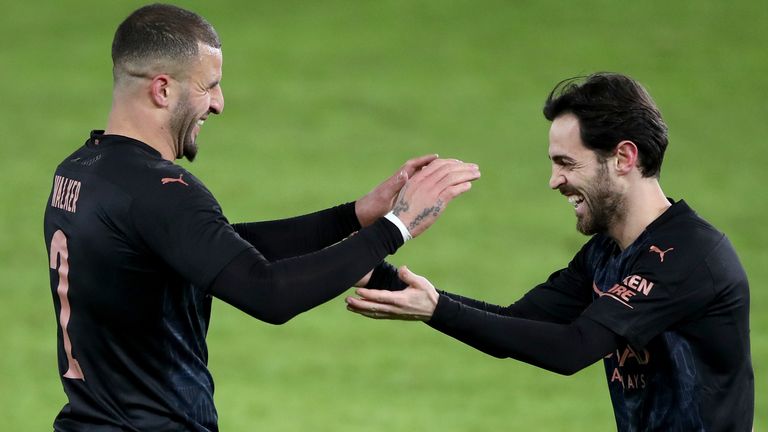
{"x": 98, "y": 139}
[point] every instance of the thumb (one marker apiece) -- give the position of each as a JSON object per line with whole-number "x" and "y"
{"x": 407, "y": 276}
{"x": 393, "y": 185}
{"x": 400, "y": 179}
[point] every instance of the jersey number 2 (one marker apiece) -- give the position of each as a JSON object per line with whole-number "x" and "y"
{"x": 60, "y": 259}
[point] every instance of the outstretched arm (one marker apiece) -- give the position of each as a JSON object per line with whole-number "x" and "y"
{"x": 300, "y": 235}
{"x": 561, "y": 348}
{"x": 277, "y": 291}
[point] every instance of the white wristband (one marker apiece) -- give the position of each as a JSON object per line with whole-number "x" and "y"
{"x": 400, "y": 225}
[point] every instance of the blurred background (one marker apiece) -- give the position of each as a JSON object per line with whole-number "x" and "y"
{"x": 326, "y": 99}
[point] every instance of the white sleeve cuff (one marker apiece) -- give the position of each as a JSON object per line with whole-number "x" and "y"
{"x": 400, "y": 225}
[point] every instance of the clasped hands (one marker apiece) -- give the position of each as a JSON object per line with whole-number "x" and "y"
{"x": 417, "y": 194}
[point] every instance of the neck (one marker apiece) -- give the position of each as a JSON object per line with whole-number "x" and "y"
{"x": 644, "y": 203}
{"x": 129, "y": 118}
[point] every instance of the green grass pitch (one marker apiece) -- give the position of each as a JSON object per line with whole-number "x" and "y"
{"x": 325, "y": 99}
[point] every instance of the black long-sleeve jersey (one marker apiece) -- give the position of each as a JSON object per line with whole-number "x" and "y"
{"x": 669, "y": 315}
{"x": 137, "y": 246}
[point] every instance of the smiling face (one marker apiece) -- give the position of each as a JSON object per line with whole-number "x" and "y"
{"x": 584, "y": 177}
{"x": 200, "y": 96}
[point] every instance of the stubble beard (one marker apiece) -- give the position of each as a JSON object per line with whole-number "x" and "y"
{"x": 183, "y": 122}
{"x": 605, "y": 205}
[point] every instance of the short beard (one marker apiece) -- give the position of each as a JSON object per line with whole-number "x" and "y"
{"x": 606, "y": 205}
{"x": 183, "y": 131}
{"x": 189, "y": 150}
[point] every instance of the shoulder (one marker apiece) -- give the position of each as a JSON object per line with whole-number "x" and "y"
{"x": 167, "y": 178}
{"x": 684, "y": 235}
{"x": 166, "y": 185}
{"x": 139, "y": 170}
{"x": 681, "y": 247}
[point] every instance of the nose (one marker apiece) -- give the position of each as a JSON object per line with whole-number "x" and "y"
{"x": 217, "y": 100}
{"x": 557, "y": 178}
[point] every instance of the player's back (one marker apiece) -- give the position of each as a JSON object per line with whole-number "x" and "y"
{"x": 131, "y": 331}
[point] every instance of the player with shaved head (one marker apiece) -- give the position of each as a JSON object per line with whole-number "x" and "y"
{"x": 138, "y": 245}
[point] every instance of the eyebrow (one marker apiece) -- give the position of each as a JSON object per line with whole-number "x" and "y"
{"x": 561, "y": 159}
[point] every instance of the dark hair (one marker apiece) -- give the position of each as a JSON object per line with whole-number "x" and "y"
{"x": 160, "y": 33}
{"x": 612, "y": 108}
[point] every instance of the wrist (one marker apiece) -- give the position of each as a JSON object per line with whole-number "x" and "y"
{"x": 434, "y": 297}
{"x": 358, "y": 214}
{"x": 400, "y": 226}
{"x": 349, "y": 214}
{"x": 446, "y": 309}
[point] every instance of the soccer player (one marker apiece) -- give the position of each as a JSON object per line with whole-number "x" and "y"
{"x": 656, "y": 292}
{"x": 138, "y": 245}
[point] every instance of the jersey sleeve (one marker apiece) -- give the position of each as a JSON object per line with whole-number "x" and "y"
{"x": 184, "y": 226}
{"x": 284, "y": 238}
{"x": 660, "y": 292}
{"x": 564, "y": 295}
{"x": 277, "y": 291}
{"x": 561, "y": 348}
{"x": 385, "y": 277}
{"x": 560, "y": 299}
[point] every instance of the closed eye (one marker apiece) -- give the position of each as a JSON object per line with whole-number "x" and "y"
{"x": 563, "y": 161}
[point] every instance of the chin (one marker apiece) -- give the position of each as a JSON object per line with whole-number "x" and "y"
{"x": 587, "y": 227}
{"x": 190, "y": 151}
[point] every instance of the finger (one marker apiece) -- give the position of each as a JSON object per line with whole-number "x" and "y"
{"x": 457, "y": 177}
{"x": 409, "y": 277}
{"x": 437, "y": 184}
{"x": 371, "y": 306}
{"x": 361, "y": 312}
{"x": 389, "y": 188}
{"x": 396, "y": 182}
{"x": 377, "y": 296}
{"x": 452, "y": 192}
{"x": 433, "y": 167}
{"x": 406, "y": 275}
{"x": 373, "y": 310}
{"x": 446, "y": 169}
{"x": 449, "y": 169}
{"x": 374, "y": 315}
{"x": 415, "y": 164}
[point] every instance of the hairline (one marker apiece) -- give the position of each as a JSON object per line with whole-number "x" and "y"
{"x": 149, "y": 67}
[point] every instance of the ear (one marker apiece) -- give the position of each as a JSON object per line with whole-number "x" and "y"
{"x": 626, "y": 157}
{"x": 160, "y": 91}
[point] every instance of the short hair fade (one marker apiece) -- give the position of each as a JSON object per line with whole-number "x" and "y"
{"x": 611, "y": 108}
{"x": 160, "y": 33}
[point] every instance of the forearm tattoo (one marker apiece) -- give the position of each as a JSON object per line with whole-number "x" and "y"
{"x": 434, "y": 211}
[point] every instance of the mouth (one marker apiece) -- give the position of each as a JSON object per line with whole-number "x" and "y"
{"x": 576, "y": 201}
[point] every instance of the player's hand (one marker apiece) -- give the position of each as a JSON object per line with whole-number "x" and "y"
{"x": 428, "y": 192}
{"x": 380, "y": 200}
{"x": 417, "y": 302}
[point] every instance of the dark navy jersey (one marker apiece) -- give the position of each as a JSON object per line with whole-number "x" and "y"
{"x": 134, "y": 241}
{"x": 671, "y": 311}
{"x": 137, "y": 247}
{"x": 679, "y": 299}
